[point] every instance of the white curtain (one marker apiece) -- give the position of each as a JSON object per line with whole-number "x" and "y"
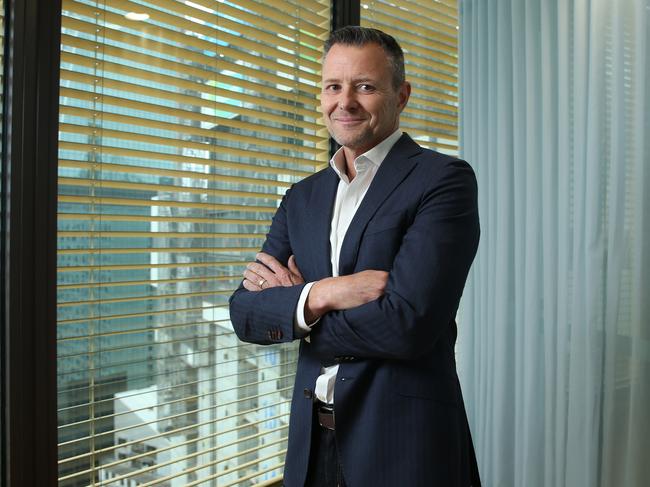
{"x": 554, "y": 349}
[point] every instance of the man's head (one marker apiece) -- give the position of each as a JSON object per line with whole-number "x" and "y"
{"x": 364, "y": 90}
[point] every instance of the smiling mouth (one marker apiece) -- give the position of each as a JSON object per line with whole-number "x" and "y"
{"x": 349, "y": 120}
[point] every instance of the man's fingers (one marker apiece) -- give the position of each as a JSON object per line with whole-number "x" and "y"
{"x": 256, "y": 267}
{"x": 260, "y": 279}
{"x": 280, "y": 272}
{"x": 270, "y": 262}
{"x": 293, "y": 267}
{"x": 269, "y": 272}
{"x": 261, "y": 270}
{"x": 250, "y": 286}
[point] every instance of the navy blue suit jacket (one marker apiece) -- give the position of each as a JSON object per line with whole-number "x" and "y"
{"x": 400, "y": 419}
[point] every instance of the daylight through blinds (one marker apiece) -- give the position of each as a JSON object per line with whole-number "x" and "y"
{"x": 428, "y": 33}
{"x": 179, "y": 134}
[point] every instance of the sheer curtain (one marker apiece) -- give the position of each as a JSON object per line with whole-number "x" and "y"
{"x": 554, "y": 351}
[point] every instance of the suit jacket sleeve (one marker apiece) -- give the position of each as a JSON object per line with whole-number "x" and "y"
{"x": 267, "y": 316}
{"x": 425, "y": 282}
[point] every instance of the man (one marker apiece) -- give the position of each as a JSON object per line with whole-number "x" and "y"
{"x": 365, "y": 263}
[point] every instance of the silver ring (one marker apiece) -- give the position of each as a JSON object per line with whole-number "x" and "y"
{"x": 261, "y": 282}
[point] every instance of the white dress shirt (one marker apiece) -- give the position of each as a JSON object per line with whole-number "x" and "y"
{"x": 349, "y": 195}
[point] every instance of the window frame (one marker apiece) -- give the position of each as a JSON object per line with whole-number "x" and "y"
{"x": 29, "y": 169}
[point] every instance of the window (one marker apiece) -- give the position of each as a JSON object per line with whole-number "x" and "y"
{"x": 179, "y": 134}
{"x": 181, "y": 126}
{"x": 428, "y": 33}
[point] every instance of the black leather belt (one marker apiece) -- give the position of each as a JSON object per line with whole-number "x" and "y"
{"x": 326, "y": 416}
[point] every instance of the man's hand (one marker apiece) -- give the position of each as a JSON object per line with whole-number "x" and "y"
{"x": 344, "y": 292}
{"x": 332, "y": 293}
{"x": 270, "y": 273}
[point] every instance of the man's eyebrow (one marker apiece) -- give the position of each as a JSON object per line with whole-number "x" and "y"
{"x": 354, "y": 81}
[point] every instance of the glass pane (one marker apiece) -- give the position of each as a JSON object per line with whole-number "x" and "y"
{"x": 182, "y": 124}
{"x": 428, "y": 33}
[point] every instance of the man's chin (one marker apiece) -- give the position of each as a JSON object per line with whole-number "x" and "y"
{"x": 351, "y": 142}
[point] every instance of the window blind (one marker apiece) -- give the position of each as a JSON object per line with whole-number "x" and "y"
{"x": 179, "y": 134}
{"x": 428, "y": 33}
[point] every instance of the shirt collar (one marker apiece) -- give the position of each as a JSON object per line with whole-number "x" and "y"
{"x": 375, "y": 156}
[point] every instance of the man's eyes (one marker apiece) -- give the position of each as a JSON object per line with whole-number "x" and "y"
{"x": 363, "y": 87}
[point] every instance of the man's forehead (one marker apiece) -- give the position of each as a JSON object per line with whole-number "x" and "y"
{"x": 367, "y": 58}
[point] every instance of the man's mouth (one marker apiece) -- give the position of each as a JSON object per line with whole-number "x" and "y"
{"x": 349, "y": 120}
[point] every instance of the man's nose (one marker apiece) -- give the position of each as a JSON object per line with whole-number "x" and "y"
{"x": 347, "y": 99}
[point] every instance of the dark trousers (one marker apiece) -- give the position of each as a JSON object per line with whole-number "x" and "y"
{"x": 324, "y": 465}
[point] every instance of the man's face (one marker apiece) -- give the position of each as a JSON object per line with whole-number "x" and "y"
{"x": 359, "y": 103}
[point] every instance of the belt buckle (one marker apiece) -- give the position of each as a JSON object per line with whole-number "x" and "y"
{"x": 326, "y": 416}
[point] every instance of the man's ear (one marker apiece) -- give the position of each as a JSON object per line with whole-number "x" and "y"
{"x": 404, "y": 95}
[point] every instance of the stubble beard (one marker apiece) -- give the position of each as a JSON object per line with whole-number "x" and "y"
{"x": 351, "y": 139}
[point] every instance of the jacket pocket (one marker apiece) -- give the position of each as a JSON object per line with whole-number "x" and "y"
{"x": 426, "y": 384}
{"x": 381, "y": 223}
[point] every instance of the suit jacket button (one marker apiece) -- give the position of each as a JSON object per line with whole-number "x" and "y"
{"x": 308, "y": 393}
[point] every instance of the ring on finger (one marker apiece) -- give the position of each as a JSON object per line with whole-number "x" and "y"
{"x": 261, "y": 282}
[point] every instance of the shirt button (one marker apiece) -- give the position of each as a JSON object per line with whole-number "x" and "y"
{"x": 308, "y": 393}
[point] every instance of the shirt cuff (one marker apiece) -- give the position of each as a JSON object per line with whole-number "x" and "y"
{"x": 300, "y": 324}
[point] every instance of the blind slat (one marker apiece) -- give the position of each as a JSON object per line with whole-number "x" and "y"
{"x": 107, "y": 201}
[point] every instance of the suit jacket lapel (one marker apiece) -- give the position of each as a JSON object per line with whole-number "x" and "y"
{"x": 390, "y": 174}
{"x": 319, "y": 220}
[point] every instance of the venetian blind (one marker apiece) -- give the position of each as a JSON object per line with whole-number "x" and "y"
{"x": 182, "y": 124}
{"x": 428, "y": 33}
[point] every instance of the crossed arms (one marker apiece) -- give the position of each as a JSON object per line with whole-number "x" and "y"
{"x": 329, "y": 294}
{"x": 400, "y": 314}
